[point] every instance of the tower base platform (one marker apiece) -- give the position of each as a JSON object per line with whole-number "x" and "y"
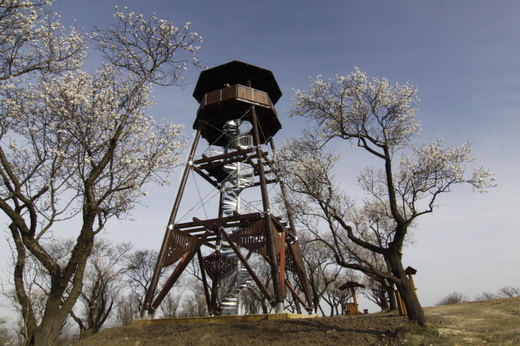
{"x": 222, "y": 319}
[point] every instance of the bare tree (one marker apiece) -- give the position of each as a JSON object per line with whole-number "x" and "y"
{"x": 509, "y": 292}
{"x": 380, "y": 292}
{"x": 138, "y": 269}
{"x": 323, "y": 272}
{"x": 336, "y": 298}
{"x": 453, "y": 298}
{"x": 486, "y": 296}
{"x": 126, "y": 310}
{"x": 194, "y": 303}
{"x": 102, "y": 286}
{"x": 170, "y": 306}
{"x": 380, "y": 119}
{"x": 78, "y": 145}
{"x": 5, "y": 335}
{"x": 254, "y": 302}
{"x": 253, "y": 299}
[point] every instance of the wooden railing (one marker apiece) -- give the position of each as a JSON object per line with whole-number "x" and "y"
{"x": 238, "y": 92}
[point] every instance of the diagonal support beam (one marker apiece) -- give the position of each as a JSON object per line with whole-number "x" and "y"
{"x": 247, "y": 266}
{"x": 204, "y": 281}
{"x": 295, "y": 294}
{"x": 164, "y": 247}
{"x": 183, "y": 263}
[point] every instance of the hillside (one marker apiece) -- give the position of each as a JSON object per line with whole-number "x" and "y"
{"x": 495, "y": 322}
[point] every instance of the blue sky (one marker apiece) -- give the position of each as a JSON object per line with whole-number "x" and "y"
{"x": 464, "y": 56}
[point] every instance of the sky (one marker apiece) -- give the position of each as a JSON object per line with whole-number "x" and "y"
{"x": 463, "y": 55}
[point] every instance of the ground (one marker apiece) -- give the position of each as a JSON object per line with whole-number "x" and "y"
{"x": 494, "y": 323}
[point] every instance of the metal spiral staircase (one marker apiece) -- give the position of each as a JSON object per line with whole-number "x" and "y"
{"x": 240, "y": 177}
{"x": 230, "y": 304}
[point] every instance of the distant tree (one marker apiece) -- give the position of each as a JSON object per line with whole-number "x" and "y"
{"x": 170, "y": 306}
{"x": 509, "y": 292}
{"x": 102, "y": 286}
{"x": 322, "y": 271}
{"x": 486, "y": 296}
{"x": 334, "y": 300}
{"x": 138, "y": 267}
{"x": 380, "y": 292}
{"x": 453, "y": 298}
{"x": 253, "y": 300}
{"x": 5, "y": 335}
{"x": 194, "y": 303}
{"x": 76, "y": 144}
{"x": 126, "y": 310}
{"x": 380, "y": 119}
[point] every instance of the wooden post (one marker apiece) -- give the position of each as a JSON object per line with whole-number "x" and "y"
{"x": 411, "y": 271}
{"x": 400, "y": 304}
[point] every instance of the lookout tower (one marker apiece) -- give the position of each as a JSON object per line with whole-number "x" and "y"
{"x": 237, "y": 118}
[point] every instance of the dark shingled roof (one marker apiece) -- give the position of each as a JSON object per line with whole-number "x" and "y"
{"x": 237, "y": 72}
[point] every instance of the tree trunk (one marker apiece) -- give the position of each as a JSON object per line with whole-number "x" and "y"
{"x": 85, "y": 333}
{"x": 57, "y": 307}
{"x": 413, "y": 307}
{"x": 391, "y": 297}
{"x": 383, "y": 298}
{"x": 46, "y": 335}
{"x": 411, "y": 301}
{"x": 265, "y": 309}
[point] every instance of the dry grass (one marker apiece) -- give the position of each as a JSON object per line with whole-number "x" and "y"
{"x": 493, "y": 322}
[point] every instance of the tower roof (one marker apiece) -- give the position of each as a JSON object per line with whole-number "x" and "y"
{"x": 237, "y": 72}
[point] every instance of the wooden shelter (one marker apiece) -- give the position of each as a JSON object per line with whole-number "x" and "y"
{"x": 352, "y": 308}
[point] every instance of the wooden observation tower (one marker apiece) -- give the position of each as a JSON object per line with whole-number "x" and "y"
{"x": 238, "y": 119}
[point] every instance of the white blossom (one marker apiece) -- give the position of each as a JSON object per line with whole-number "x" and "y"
{"x": 380, "y": 118}
{"x": 357, "y": 106}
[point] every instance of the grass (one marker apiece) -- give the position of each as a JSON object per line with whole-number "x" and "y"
{"x": 428, "y": 335}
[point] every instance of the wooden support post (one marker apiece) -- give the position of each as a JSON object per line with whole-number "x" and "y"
{"x": 353, "y": 292}
{"x": 293, "y": 245}
{"x": 268, "y": 228}
{"x": 169, "y": 227}
{"x": 282, "y": 263}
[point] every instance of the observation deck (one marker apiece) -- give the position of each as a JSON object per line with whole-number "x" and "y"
{"x": 228, "y": 92}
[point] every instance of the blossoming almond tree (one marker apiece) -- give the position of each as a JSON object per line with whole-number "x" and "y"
{"x": 379, "y": 118}
{"x": 78, "y": 146}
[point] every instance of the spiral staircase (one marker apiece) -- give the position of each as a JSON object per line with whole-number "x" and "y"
{"x": 240, "y": 177}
